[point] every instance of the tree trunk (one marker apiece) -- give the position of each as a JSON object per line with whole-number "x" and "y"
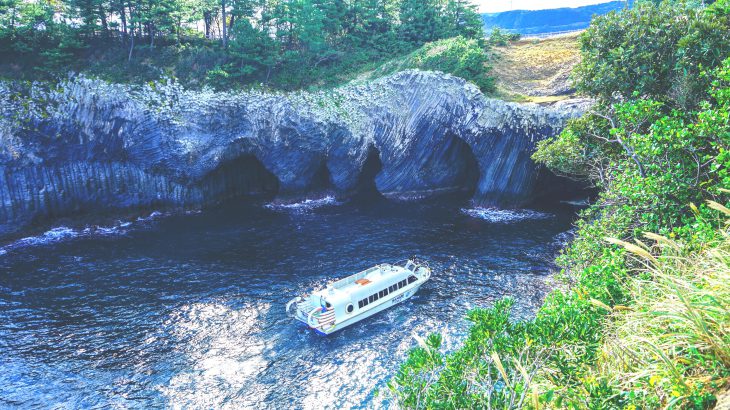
{"x": 225, "y": 31}
{"x": 102, "y": 15}
{"x": 123, "y": 17}
{"x": 206, "y": 22}
{"x": 131, "y": 44}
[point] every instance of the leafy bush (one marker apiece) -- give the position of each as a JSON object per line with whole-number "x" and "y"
{"x": 502, "y": 38}
{"x": 462, "y": 57}
{"x": 654, "y": 51}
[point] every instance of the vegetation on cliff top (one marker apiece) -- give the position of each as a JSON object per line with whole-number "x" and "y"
{"x": 644, "y": 321}
{"x": 458, "y": 56}
{"x": 231, "y": 44}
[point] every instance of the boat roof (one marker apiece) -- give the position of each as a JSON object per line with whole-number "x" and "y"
{"x": 363, "y": 283}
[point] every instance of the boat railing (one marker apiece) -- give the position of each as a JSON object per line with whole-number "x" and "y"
{"x": 414, "y": 262}
{"x": 352, "y": 278}
{"x": 411, "y": 264}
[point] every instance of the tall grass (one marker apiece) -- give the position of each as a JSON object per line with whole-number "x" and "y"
{"x": 671, "y": 348}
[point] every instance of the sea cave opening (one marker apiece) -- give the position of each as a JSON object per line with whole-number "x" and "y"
{"x": 463, "y": 168}
{"x": 242, "y": 177}
{"x": 365, "y": 188}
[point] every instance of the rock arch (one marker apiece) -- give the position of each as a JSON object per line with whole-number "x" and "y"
{"x": 244, "y": 176}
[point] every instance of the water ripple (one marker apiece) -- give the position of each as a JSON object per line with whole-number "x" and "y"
{"x": 188, "y": 312}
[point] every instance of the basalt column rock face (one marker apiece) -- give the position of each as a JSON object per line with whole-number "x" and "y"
{"x": 85, "y": 145}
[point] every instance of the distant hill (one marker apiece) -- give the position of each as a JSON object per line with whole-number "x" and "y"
{"x": 547, "y": 21}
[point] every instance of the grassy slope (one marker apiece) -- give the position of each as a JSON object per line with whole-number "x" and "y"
{"x": 536, "y": 70}
{"x": 458, "y": 56}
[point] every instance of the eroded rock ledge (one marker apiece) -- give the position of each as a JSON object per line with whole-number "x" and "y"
{"x": 86, "y": 145}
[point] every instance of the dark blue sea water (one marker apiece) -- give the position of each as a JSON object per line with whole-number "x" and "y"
{"x": 187, "y": 311}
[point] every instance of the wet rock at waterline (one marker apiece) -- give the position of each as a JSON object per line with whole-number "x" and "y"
{"x": 85, "y": 145}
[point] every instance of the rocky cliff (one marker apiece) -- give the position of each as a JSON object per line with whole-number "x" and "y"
{"x": 85, "y": 145}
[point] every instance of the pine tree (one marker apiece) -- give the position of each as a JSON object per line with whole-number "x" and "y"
{"x": 419, "y": 21}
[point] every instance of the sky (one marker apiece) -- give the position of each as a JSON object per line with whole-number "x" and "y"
{"x": 494, "y": 6}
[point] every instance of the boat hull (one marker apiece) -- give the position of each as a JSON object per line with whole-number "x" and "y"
{"x": 370, "y": 312}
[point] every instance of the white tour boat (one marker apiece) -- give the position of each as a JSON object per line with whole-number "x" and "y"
{"x": 359, "y": 296}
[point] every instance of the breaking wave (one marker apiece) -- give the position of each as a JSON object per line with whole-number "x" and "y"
{"x": 64, "y": 233}
{"x": 496, "y": 215}
{"x": 305, "y": 205}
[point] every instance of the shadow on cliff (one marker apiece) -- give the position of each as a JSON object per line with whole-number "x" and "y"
{"x": 553, "y": 189}
{"x": 366, "y": 189}
{"x": 467, "y": 176}
{"x": 243, "y": 177}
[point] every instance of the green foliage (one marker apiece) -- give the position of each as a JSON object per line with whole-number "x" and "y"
{"x": 282, "y": 44}
{"x": 654, "y": 51}
{"x": 673, "y": 345}
{"x": 501, "y": 38}
{"x": 462, "y": 57}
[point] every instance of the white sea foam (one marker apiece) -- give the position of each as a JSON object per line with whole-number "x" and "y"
{"x": 64, "y": 233}
{"x": 154, "y": 215}
{"x": 305, "y": 205}
{"x": 496, "y": 215}
{"x": 56, "y": 234}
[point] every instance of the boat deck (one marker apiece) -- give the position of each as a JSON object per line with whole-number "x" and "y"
{"x": 364, "y": 278}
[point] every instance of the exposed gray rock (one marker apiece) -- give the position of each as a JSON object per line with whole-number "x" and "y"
{"x": 86, "y": 145}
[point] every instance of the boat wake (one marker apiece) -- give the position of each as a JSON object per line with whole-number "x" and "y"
{"x": 65, "y": 233}
{"x": 304, "y": 206}
{"x": 496, "y": 215}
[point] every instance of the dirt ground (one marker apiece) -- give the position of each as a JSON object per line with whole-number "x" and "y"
{"x": 536, "y": 70}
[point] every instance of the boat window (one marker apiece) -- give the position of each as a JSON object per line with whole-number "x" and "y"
{"x": 371, "y": 298}
{"x": 365, "y": 302}
{"x": 381, "y": 293}
{"x": 350, "y": 308}
{"x": 359, "y": 304}
{"x": 376, "y": 297}
{"x": 392, "y": 288}
{"x": 412, "y": 279}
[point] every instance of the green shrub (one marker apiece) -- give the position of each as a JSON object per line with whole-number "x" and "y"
{"x": 500, "y": 38}
{"x": 654, "y": 51}
{"x": 459, "y": 56}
